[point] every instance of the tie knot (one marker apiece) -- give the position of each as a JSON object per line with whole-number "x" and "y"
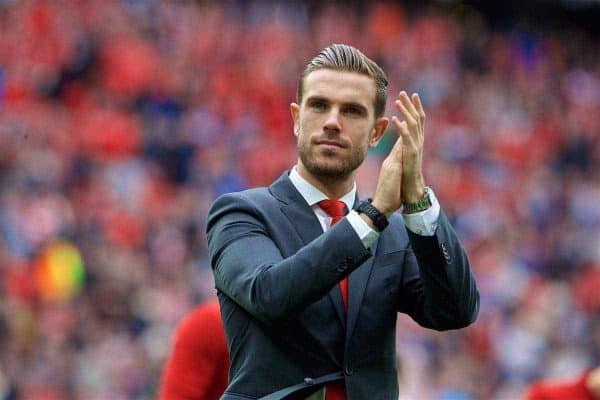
{"x": 334, "y": 208}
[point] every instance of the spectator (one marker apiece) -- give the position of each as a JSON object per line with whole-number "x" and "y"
{"x": 198, "y": 363}
{"x": 584, "y": 387}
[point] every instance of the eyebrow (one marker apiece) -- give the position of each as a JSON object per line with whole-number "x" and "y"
{"x": 326, "y": 100}
{"x": 317, "y": 98}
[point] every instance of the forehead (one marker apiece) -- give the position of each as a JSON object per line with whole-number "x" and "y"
{"x": 340, "y": 86}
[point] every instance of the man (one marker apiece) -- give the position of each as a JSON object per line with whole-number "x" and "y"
{"x": 198, "y": 364}
{"x": 310, "y": 288}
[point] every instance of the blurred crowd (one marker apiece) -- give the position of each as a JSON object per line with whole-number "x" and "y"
{"x": 120, "y": 122}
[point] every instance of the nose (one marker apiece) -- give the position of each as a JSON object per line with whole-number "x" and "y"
{"x": 332, "y": 123}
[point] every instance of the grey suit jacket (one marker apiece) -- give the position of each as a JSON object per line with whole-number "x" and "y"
{"x": 277, "y": 276}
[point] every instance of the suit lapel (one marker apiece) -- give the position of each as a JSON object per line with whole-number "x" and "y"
{"x": 299, "y": 214}
{"x": 303, "y": 220}
{"x": 306, "y": 224}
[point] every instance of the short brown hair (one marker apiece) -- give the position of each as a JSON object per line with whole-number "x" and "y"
{"x": 342, "y": 57}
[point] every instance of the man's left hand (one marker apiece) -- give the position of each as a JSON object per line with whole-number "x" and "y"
{"x": 412, "y": 130}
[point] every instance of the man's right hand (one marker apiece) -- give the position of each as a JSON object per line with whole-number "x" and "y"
{"x": 388, "y": 194}
{"x": 401, "y": 176}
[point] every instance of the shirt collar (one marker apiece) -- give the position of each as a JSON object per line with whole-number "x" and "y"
{"x": 312, "y": 195}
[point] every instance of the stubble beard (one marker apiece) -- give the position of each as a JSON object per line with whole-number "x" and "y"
{"x": 324, "y": 165}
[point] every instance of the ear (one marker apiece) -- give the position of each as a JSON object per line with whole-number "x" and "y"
{"x": 295, "y": 112}
{"x": 378, "y": 131}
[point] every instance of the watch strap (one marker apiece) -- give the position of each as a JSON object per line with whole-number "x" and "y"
{"x": 377, "y": 217}
{"x": 421, "y": 205}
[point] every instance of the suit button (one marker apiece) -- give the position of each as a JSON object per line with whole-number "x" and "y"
{"x": 309, "y": 381}
{"x": 348, "y": 370}
{"x": 445, "y": 253}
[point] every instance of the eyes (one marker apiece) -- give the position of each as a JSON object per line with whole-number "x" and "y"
{"x": 319, "y": 105}
{"x": 350, "y": 109}
{"x": 354, "y": 110}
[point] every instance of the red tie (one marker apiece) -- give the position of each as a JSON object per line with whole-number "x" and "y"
{"x": 336, "y": 210}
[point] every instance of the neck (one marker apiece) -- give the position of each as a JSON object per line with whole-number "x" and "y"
{"x": 332, "y": 187}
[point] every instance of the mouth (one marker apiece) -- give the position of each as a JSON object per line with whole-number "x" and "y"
{"x": 330, "y": 143}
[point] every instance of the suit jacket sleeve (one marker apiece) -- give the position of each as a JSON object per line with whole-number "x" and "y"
{"x": 250, "y": 269}
{"x": 438, "y": 289}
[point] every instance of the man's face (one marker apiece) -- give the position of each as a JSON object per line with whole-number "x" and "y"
{"x": 335, "y": 124}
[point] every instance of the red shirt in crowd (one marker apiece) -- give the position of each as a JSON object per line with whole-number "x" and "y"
{"x": 574, "y": 389}
{"x": 198, "y": 365}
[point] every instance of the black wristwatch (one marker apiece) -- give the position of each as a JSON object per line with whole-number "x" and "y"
{"x": 379, "y": 219}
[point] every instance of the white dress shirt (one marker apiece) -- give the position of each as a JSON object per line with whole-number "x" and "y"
{"x": 422, "y": 223}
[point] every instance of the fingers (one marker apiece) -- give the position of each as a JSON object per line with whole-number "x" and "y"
{"x": 413, "y": 114}
{"x": 408, "y": 104}
{"x": 410, "y": 119}
{"x": 411, "y": 107}
{"x": 401, "y": 126}
{"x": 404, "y": 138}
{"x": 419, "y": 107}
{"x": 403, "y": 129}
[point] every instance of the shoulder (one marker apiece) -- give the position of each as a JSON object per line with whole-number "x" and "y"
{"x": 246, "y": 200}
{"x": 251, "y": 197}
{"x": 257, "y": 201}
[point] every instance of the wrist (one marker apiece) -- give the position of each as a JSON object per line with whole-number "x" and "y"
{"x": 382, "y": 209}
{"x": 368, "y": 221}
{"x": 414, "y": 192}
{"x": 378, "y": 220}
{"x": 419, "y": 205}
{"x": 414, "y": 195}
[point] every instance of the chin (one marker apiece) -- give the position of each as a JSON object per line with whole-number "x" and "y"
{"x": 329, "y": 168}
{"x": 330, "y": 164}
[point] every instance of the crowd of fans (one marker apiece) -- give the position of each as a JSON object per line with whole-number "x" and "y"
{"x": 120, "y": 122}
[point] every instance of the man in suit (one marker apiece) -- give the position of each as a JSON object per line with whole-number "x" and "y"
{"x": 309, "y": 278}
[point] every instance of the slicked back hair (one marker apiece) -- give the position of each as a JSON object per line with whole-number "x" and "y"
{"x": 342, "y": 57}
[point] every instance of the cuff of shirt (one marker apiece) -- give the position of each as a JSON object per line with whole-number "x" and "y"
{"x": 363, "y": 230}
{"x": 424, "y": 223}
